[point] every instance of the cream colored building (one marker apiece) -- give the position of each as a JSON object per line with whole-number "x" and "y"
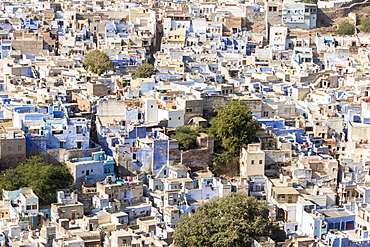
{"x": 252, "y": 160}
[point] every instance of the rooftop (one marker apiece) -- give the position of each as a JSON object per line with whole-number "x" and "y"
{"x": 335, "y": 214}
{"x": 285, "y": 190}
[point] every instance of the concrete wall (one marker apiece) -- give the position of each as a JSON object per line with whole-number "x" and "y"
{"x": 175, "y": 117}
{"x": 71, "y": 211}
{"x": 151, "y": 110}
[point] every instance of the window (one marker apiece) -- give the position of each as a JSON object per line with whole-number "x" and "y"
{"x": 265, "y": 113}
{"x": 179, "y": 118}
{"x": 170, "y": 119}
{"x": 260, "y": 162}
{"x": 83, "y": 172}
{"x": 151, "y": 106}
{"x": 79, "y": 129}
{"x": 9, "y": 148}
{"x": 19, "y": 148}
{"x": 61, "y": 144}
{"x": 29, "y": 207}
{"x": 252, "y": 162}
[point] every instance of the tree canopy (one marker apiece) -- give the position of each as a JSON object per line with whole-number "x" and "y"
{"x": 233, "y": 126}
{"x": 345, "y": 28}
{"x": 186, "y": 136}
{"x": 145, "y": 70}
{"x": 98, "y": 62}
{"x": 365, "y": 25}
{"x": 228, "y": 221}
{"x": 42, "y": 177}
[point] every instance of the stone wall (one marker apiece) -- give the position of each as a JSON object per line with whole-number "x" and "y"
{"x": 197, "y": 159}
{"x": 343, "y": 10}
{"x": 11, "y": 161}
{"x": 12, "y": 152}
{"x": 34, "y": 47}
{"x": 212, "y": 101}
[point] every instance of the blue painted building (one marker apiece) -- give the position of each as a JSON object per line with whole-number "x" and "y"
{"x": 338, "y": 218}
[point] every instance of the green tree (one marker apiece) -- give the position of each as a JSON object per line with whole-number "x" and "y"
{"x": 186, "y": 136}
{"x": 365, "y": 25}
{"x": 228, "y": 221}
{"x": 42, "y": 177}
{"x": 145, "y": 70}
{"x": 233, "y": 126}
{"x": 345, "y": 28}
{"x": 98, "y": 62}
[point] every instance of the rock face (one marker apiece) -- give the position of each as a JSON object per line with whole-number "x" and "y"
{"x": 327, "y": 15}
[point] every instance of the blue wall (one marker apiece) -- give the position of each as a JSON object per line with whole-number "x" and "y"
{"x": 35, "y": 143}
{"x": 160, "y": 155}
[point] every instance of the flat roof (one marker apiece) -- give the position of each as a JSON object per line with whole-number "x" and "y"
{"x": 337, "y": 214}
{"x": 29, "y": 195}
{"x": 285, "y": 190}
{"x": 177, "y": 180}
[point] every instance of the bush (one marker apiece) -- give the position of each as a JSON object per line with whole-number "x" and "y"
{"x": 145, "y": 70}
{"x": 187, "y": 137}
{"x": 365, "y": 25}
{"x": 345, "y": 28}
